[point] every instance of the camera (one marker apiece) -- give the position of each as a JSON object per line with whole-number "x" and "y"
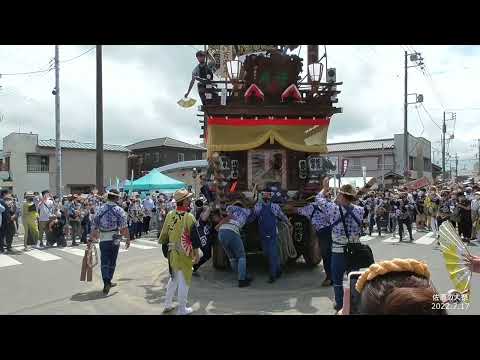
{"x": 200, "y": 203}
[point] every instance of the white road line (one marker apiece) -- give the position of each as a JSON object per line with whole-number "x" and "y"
{"x": 392, "y": 240}
{"x": 426, "y": 239}
{"x": 144, "y": 241}
{"x": 6, "y": 260}
{"x": 121, "y": 250}
{"x": 39, "y": 255}
{"x": 366, "y": 238}
{"x": 142, "y": 247}
{"x": 73, "y": 251}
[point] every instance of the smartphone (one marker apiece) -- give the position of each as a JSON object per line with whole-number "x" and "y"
{"x": 354, "y": 294}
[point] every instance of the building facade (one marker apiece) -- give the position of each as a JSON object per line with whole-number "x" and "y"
{"x": 150, "y": 154}
{"x": 384, "y": 156}
{"x": 31, "y": 164}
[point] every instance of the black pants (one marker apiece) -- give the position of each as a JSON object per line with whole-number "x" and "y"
{"x": 146, "y": 224}
{"x": 325, "y": 240}
{"x": 2, "y": 238}
{"x": 371, "y": 224}
{"x": 207, "y": 254}
{"x": 408, "y": 223}
{"x": 8, "y": 232}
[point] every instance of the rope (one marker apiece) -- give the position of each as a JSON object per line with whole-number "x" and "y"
{"x": 91, "y": 255}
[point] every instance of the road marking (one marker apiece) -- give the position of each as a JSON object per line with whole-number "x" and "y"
{"x": 366, "y": 238}
{"x": 144, "y": 241}
{"x": 392, "y": 240}
{"x": 39, "y": 255}
{"x": 78, "y": 252}
{"x": 426, "y": 239}
{"x": 6, "y": 260}
{"x": 143, "y": 247}
{"x": 120, "y": 250}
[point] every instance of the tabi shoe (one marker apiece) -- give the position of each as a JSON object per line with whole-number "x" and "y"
{"x": 113, "y": 285}
{"x": 169, "y": 309}
{"x": 185, "y": 311}
{"x": 243, "y": 283}
{"x": 106, "y": 289}
{"x": 327, "y": 282}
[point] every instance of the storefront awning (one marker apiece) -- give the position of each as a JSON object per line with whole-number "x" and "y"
{"x": 236, "y": 134}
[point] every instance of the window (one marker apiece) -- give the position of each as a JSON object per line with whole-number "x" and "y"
{"x": 411, "y": 163}
{"x": 157, "y": 157}
{"x": 147, "y": 157}
{"x": 355, "y": 163}
{"x": 37, "y": 163}
{"x": 427, "y": 165}
{"x": 181, "y": 157}
{"x": 194, "y": 156}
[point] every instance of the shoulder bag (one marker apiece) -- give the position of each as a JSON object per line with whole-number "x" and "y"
{"x": 357, "y": 255}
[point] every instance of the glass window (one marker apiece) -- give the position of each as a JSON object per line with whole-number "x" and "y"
{"x": 157, "y": 157}
{"x": 181, "y": 157}
{"x": 37, "y": 163}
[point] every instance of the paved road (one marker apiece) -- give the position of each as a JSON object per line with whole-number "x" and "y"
{"x": 46, "y": 281}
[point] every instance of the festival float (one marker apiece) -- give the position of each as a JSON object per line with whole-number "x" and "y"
{"x": 265, "y": 127}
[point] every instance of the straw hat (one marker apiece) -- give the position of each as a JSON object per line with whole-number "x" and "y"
{"x": 347, "y": 189}
{"x": 113, "y": 192}
{"x": 181, "y": 195}
{"x": 29, "y": 194}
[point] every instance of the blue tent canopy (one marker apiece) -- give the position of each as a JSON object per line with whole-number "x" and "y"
{"x": 155, "y": 180}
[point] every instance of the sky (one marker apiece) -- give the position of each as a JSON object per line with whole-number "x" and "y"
{"x": 142, "y": 84}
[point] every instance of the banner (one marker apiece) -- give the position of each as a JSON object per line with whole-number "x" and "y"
{"x": 235, "y": 134}
{"x": 344, "y": 166}
{"x": 418, "y": 184}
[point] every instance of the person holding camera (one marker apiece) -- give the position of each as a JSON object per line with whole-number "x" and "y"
{"x": 346, "y": 219}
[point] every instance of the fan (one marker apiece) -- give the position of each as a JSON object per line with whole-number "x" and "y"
{"x": 457, "y": 257}
{"x": 186, "y": 102}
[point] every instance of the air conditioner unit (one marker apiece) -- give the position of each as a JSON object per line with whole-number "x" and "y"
{"x": 331, "y": 75}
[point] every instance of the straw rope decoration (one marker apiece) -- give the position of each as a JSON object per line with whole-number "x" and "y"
{"x": 396, "y": 265}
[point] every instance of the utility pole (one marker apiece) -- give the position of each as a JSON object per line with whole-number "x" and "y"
{"x": 444, "y": 131}
{"x": 456, "y": 165}
{"x": 444, "y": 137}
{"x": 58, "y": 146}
{"x": 405, "y": 120}
{"x": 99, "y": 121}
{"x": 416, "y": 57}
{"x": 383, "y": 168}
{"x": 478, "y": 156}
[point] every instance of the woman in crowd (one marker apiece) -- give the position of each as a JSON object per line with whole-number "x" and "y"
{"x": 30, "y": 221}
{"x": 465, "y": 223}
{"x": 398, "y": 287}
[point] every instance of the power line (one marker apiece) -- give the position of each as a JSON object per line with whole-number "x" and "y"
{"x": 76, "y": 57}
{"x": 421, "y": 121}
{"x": 430, "y": 116}
{"x": 50, "y": 66}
